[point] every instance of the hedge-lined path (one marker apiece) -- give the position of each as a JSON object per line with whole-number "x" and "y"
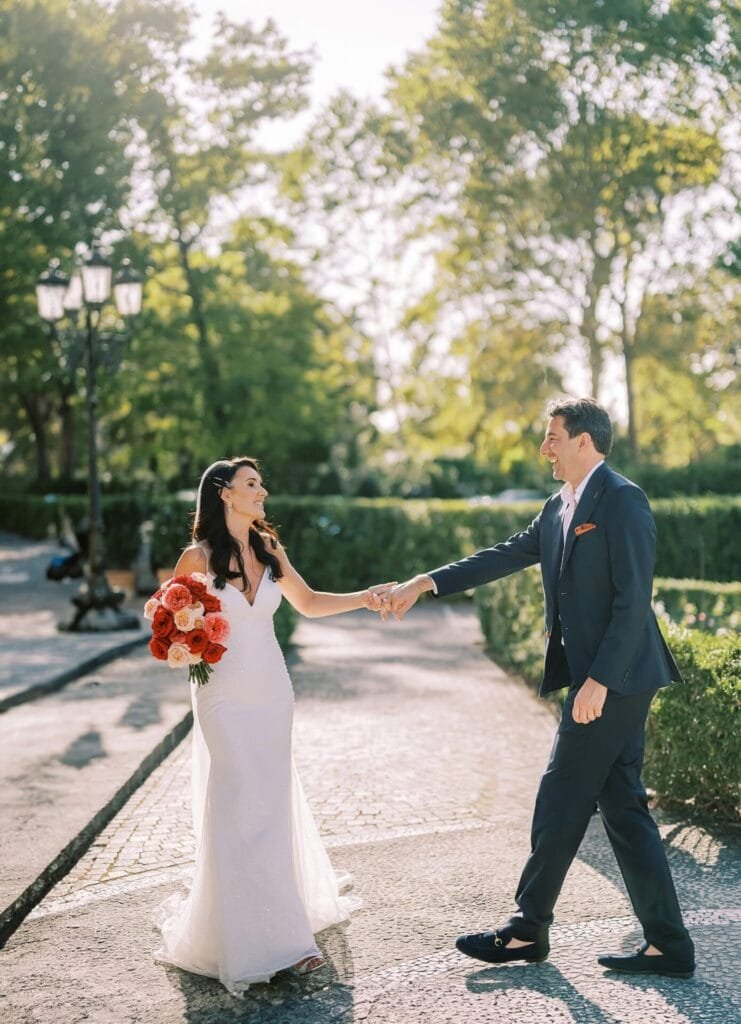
{"x": 37, "y": 658}
{"x": 420, "y": 758}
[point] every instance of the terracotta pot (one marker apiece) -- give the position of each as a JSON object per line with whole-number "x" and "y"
{"x": 121, "y": 579}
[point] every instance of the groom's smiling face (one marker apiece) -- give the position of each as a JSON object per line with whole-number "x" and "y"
{"x": 562, "y": 451}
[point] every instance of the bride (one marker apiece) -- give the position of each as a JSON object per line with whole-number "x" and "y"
{"x": 263, "y": 884}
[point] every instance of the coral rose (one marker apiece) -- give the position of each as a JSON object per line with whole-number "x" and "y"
{"x": 216, "y": 627}
{"x": 213, "y": 653}
{"x": 176, "y": 597}
{"x": 162, "y": 623}
{"x": 178, "y": 656}
{"x": 159, "y": 648}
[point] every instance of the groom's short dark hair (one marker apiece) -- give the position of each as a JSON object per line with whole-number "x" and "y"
{"x": 584, "y": 416}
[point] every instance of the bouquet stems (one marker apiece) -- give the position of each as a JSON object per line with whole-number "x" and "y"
{"x": 199, "y": 673}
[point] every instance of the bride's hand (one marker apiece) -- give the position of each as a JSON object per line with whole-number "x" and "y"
{"x": 374, "y": 598}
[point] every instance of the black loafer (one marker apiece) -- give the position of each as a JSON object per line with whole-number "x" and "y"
{"x": 491, "y": 947}
{"x": 639, "y": 963}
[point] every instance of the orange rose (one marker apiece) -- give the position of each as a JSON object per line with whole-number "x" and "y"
{"x": 197, "y": 641}
{"x": 159, "y": 648}
{"x": 198, "y": 590}
{"x": 213, "y": 653}
{"x": 210, "y": 603}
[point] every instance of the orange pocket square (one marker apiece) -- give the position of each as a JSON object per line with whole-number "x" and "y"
{"x": 585, "y": 528}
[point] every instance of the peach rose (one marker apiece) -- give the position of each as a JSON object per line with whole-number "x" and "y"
{"x": 178, "y": 656}
{"x": 186, "y": 618}
{"x": 151, "y": 607}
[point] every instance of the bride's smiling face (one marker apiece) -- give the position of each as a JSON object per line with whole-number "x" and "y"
{"x": 246, "y": 494}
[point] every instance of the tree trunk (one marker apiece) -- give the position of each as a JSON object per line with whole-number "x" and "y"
{"x": 38, "y": 410}
{"x": 209, "y": 363}
{"x": 627, "y": 340}
{"x": 595, "y": 283}
{"x": 630, "y": 395}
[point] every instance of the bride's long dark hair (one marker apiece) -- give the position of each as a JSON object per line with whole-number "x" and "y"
{"x": 210, "y": 525}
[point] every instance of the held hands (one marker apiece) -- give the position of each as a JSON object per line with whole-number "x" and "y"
{"x": 589, "y": 701}
{"x": 403, "y": 596}
{"x": 374, "y": 597}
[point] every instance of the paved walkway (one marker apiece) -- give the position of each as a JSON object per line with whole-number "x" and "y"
{"x": 35, "y": 655}
{"x": 420, "y": 758}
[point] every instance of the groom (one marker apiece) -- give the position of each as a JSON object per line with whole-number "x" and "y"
{"x": 595, "y": 541}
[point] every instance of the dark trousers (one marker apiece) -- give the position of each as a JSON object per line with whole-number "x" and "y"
{"x": 600, "y": 764}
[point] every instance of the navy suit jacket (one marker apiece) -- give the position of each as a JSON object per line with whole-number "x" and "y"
{"x": 598, "y": 616}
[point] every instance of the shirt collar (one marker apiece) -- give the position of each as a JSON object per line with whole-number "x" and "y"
{"x": 569, "y": 494}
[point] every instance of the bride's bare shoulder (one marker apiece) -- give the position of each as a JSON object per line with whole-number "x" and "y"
{"x": 193, "y": 559}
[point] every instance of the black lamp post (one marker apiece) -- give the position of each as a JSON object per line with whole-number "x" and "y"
{"x": 98, "y": 607}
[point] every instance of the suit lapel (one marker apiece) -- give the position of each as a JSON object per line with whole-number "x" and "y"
{"x": 584, "y": 509}
{"x": 557, "y": 547}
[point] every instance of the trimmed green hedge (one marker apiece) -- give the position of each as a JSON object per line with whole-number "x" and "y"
{"x": 340, "y": 543}
{"x": 697, "y": 538}
{"x": 40, "y": 517}
{"x": 285, "y": 622}
{"x": 697, "y": 604}
{"x": 511, "y": 614}
{"x": 692, "y": 741}
{"x": 692, "y": 748}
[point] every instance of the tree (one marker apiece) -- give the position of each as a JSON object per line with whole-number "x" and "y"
{"x": 249, "y": 76}
{"x": 562, "y": 139}
{"x": 64, "y": 167}
{"x": 295, "y": 380}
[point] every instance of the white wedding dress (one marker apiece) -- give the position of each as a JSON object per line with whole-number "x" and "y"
{"x": 263, "y": 883}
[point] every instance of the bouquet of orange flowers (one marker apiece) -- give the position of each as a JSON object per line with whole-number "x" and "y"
{"x": 188, "y": 626}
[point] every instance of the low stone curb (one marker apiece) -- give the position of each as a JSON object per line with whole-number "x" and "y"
{"x": 61, "y": 679}
{"x": 14, "y": 914}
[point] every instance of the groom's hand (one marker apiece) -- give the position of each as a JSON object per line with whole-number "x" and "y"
{"x": 589, "y": 701}
{"x": 405, "y": 595}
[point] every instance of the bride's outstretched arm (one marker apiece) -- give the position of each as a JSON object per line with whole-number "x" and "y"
{"x": 316, "y": 603}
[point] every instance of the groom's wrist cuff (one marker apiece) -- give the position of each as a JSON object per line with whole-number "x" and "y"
{"x": 434, "y": 585}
